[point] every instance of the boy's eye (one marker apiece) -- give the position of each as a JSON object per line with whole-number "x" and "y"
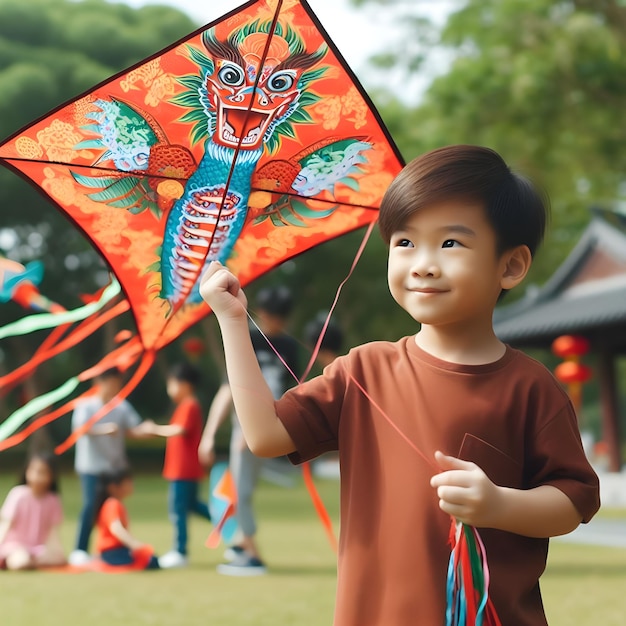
{"x": 403, "y": 243}
{"x": 450, "y": 243}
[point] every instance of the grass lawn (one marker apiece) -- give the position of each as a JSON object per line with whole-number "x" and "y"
{"x": 583, "y": 585}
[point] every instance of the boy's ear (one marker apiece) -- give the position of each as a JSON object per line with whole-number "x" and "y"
{"x": 517, "y": 262}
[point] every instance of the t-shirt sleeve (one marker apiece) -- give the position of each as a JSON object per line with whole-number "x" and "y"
{"x": 11, "y": 502}
{"x": 311, "y": 412}
{"x": 559, "y": 460}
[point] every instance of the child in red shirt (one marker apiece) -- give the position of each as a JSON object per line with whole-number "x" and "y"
{"x": 181, "y": 466}
{"x": 115, "y": 544}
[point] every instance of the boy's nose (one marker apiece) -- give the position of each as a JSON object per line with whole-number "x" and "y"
{"x": 424, "y": 265}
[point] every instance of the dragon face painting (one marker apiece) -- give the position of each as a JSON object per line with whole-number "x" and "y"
{"x": 248, "y": 96}
{"x": 250, "y": 86}
{"x": 249, "y": 142}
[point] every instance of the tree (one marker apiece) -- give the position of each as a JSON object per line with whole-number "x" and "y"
{"x": 51, "y": 51}
{"x": 541, "y": 81}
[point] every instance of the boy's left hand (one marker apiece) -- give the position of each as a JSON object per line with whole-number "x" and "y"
{"x": 465, "y": 491}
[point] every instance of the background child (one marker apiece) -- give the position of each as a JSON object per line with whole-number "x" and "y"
{"x": 181, "y": 466}
{"x": 30, "y": 518}
{"x": 461, "y": 229}
{"x": 115, "y": 544}
{"x": 273, "y": 306}
{"x": 100, "y": 451}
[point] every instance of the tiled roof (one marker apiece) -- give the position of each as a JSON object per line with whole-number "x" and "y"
{"x": 569, "y": 313}
{"x": 564, "y": 307}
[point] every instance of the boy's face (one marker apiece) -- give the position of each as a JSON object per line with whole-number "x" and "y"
{"x": 121, "y": 490}
{"x": 443, "y": 266}
{"x": 173, "y": 387}
{"x": 178, "y": 389}
{"x": 109, "y": 387}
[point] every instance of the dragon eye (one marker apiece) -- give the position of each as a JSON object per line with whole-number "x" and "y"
{"x": 231, "y": 74}
{"x": 281, "y": 81}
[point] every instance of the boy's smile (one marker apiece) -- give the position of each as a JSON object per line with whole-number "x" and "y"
{"x": 443, "y": 266}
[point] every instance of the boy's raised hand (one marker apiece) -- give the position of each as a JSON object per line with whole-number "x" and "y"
{"x": 221, "y": 290}
{"x": 465, "y": 491}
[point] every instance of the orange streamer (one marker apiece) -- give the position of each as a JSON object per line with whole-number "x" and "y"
{"x": 71, "y": 340}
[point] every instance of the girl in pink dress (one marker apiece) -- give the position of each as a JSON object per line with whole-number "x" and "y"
{"x": 30, "y": 519}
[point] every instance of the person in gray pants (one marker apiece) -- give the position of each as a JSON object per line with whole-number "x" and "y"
{"x": 273, "y": 306}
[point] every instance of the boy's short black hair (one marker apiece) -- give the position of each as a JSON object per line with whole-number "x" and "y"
{"x": 105, "y": 481}
{"x": 333, "y": 337}
{"x": 516, "y": 209}
{"x": 112, "y": 372}
{"x": 185, "y": 372}
{"x": 275, "y": 300}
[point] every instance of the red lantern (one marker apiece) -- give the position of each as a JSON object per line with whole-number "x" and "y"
{"x": 194, "y": 347}
{"x": 567, "y": 346}
{"x": 572, "y": 372}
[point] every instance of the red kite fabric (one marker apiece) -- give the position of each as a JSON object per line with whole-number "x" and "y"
{"x": 250, "y": 141}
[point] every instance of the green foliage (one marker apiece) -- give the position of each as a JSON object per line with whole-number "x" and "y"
{"x": 540, "y": 81}
{"x": 50, "y": 52}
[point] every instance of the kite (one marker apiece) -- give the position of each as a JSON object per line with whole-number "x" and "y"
{"x": 249, "y": 142}
{"x": 20, "y": 283}
{"x": 222, "y": 505}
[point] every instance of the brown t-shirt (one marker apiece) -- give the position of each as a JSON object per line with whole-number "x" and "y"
{"x": 510, "y": 417}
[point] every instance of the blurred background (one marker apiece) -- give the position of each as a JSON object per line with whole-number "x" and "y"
{"x": 540, "y": 81}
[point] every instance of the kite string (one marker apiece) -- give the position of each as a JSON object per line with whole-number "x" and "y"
{"x": 318, "y": 343}
{"x": 318, "y": 503}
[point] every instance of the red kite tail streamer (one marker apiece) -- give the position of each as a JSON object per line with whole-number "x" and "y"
{"x": 319, "y": 505}
{"x": 80, "y": 333}
{"x": 468, "y": 601}
{"x": 123, "y": 357}
{"x": 145, "y": 364}
{"x": 52, "y": 338}
{"x": 18, "y": 438}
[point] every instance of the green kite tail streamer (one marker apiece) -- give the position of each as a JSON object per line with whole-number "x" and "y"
{"x": 48, "y": 320}
{"x": 14, "y": 421}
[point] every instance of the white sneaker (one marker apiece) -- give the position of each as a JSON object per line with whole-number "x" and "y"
{"x": 173, "y": 559}
{"x": 79, "y": 557}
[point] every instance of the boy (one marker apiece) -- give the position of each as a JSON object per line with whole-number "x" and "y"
{"x": 181, "y": 466}
{"x": 461, "y": 230}
{"x": 274, "y": 306}
{"x": 100, "y": 451}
